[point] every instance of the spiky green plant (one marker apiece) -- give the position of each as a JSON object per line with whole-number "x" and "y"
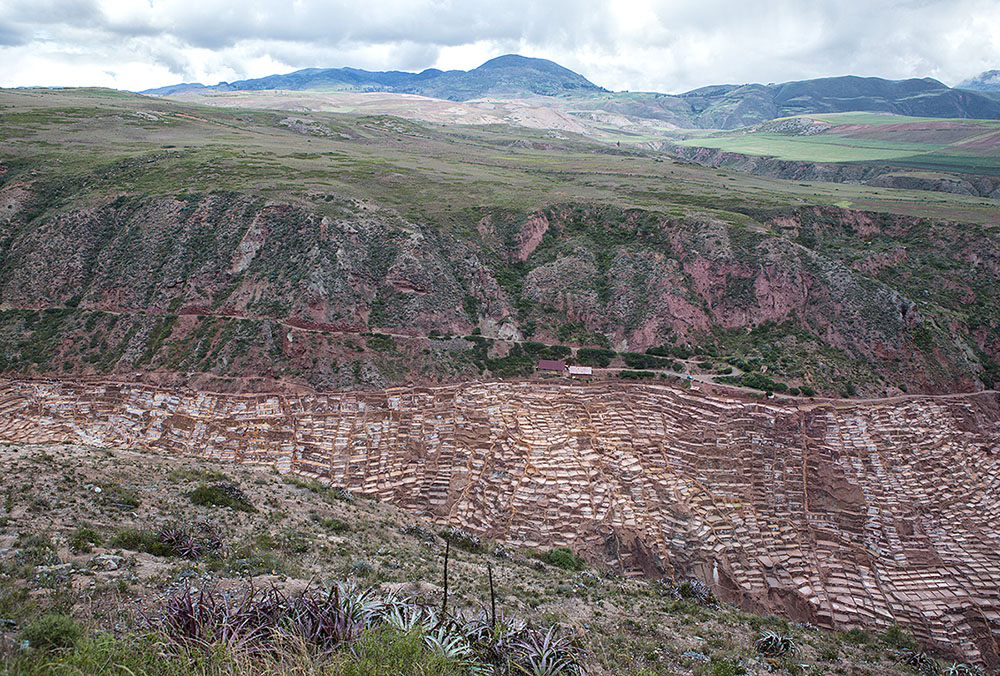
{"x": 546, "y": 654}
{"x": 772, "y": 644}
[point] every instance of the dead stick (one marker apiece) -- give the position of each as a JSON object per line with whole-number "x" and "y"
{"x": 493, "y": 597}
{"x": 444, "y": 604}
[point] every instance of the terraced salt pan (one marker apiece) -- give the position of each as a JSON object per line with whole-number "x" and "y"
{"x": 846, "y": 515}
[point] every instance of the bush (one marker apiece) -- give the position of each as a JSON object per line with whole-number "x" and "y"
{"x": 635, "y": 360}
{"x": 899, "y": 638}
{"x": 380, "y": 342}
{"x": 856, "y": 636}
{"x": 36, "y": 550}
{"x": 140, "y": 540}
{"x": 667, "y": 350}
{"x": 52, "y": 632}
{"x": 223, "y": 494}
{"x": 759, "y": 381}
{"x": 563, "y": 557}
{"x": 595, "y": 356}
{"x": 116, "y": 495}
{"x": 82, "y": 539}
{"x": 636, "y": 375}
{"x": 332, "y": 524}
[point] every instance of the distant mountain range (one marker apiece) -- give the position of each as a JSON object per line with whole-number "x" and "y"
{"x": 735, "y": 106}
{"x": 716, "y": 107}
{"x": 988, "y": 81}
{"x": 505, "y": 76}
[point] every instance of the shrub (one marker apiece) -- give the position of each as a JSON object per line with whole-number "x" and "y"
{"x": 636, "y": 375}
{"x": 82, "y": 539}
{"x": 184, "y": 474}
{"x": 856, "y": 636}
{"x": 116, "y": 495}
{"x": 224, "y": 494}
{"x": 727, "y": 667}
{"x": 595, "y": 356}
{"x": 36, "y": 550}
{"x": 140, "y": 540}
{"x": 52, "y": 632}
{"x": 332, "y": 524}
{"x": 328, "y": 493}
{"x": 563, "y": 557}
{"x": 635, "y": 360}
{"x": 380, "y": 342}
{"x": 899, "y": 638}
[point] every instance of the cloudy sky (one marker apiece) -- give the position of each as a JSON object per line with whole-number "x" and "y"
{"x": 658, "y": 45}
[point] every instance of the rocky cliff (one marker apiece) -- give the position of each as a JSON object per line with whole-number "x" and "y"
{"x": 239, "y": 287}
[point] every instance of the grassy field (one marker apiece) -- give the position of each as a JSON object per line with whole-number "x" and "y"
{"x": 433, "y": 173}
{"x": 820, "y": 148}
{"x": 968, "y": 146}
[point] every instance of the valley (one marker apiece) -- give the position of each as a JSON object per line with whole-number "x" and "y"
{"x": 317, "y": 296}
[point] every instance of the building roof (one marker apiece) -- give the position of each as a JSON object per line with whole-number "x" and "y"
{"x": 551, "y": 365}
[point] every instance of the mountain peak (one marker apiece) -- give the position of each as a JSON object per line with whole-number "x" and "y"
{"x": 518, "y": 61}
{"x": 986, "y": 81}
{"x": 510, "y": 75}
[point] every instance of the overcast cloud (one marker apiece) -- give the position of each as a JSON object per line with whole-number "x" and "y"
{"x": 655, "y": 45}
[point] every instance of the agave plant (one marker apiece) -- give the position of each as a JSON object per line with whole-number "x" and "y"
{"x": 959, "y": 669}
{"x": 546, "y": 654}
{"x": 920, "y": 661}
{"x": 171, "y": 537}
{"x": 360, "y": 605}
{"x": 189, "y": 548}
{"x": 325, "y": 620}
{"x": 410, "y": 617}
{"x": 493, "y": 640}
{"x": 255, "y": 620}
{"x": 771, "y": 644}
{"x": 449, "y": 643}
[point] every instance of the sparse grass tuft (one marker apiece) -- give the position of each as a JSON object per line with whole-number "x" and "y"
{"x": 52, "y": 632}
{"x": 82, "y": 540}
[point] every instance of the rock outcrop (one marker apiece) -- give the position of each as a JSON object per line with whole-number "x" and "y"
{"x": 126, "y": 278}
